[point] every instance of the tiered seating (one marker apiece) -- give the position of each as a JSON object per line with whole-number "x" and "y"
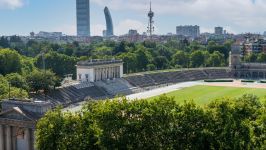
{"x": 83, "y": 85}
{"x": 154, "y": 79}
{"x": 140, "y": 80}
{"x": 69, "y": 95}
{"x": 217, "y": 73}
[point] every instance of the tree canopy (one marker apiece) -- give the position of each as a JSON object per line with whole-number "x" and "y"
{"x": 157, "y": 124}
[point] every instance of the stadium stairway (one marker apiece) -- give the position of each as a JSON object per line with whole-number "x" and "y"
{"x": 117, "y": 86}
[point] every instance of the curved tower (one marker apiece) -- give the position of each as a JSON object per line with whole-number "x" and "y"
{"x": 109, "y": 22}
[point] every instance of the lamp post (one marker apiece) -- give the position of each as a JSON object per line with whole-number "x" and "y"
{"x": 9, "y": 89}
{"x": 44, "y": 68}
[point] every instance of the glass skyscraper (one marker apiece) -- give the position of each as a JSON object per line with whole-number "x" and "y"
{"x": 83, "y": 17}
{"x": 109, "y": 22}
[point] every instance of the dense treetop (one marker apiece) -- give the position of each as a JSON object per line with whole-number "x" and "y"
{"x": 159, "y": 124}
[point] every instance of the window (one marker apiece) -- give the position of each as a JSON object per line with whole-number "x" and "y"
{"x": 87, "y": 77}
{"x": 80, "y": 76}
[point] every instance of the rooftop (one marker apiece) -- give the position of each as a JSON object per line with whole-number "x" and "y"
{"x": 25, "y": 102}
{"x": 96, "y": 62}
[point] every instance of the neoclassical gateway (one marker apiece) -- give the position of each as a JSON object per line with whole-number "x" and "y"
{"x": 17, "y": 123}
{"x": 97, "y": 70}
{"x": 240, "y": 69}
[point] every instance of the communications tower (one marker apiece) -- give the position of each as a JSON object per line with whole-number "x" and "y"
{"x": 151, "y": 22}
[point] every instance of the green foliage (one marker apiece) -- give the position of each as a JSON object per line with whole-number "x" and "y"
{"x": 60, "y": 64}
{"x": 181, "y": 58}
{"x": 157, "y": 124}
{"x": 41, "y": 80}
{"x": 10, "y": 61}
{"x": 14, "y": 91}
{"x": 16, "y": 80}
{"x": 251, "y": 57}
{"x": 197, "y": 59}
{"x": 216, "y": 59}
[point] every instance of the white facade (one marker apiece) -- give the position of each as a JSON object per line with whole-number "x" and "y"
{"x": 98, "y": 70}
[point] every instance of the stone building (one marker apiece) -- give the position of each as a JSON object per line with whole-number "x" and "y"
{"x": 17, "y": 123}
{"x": 245, "y": 70}
{"x": 98, "y": 70}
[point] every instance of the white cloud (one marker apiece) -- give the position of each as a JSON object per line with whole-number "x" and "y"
{"x": 11, "y": 4}
{"x": 97, "y": 29}
{"x": 239, "y": 14}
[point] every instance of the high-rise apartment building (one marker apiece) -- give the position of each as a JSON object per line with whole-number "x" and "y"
{"x": 83, "y": 17}
{"x": 188, "y": 30}
{"x": 218, "y": 30}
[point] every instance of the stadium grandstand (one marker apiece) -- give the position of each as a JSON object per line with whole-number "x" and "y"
{"x": 100, "y": 79}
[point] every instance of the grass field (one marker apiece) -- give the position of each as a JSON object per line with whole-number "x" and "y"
{"x": 204, "y": 94}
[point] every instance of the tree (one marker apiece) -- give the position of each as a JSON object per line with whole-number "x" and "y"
{"x": 231, "y": 122}
{"x": 15, "y": 92}
{"x": 59, "y": 63}
{"x": 250, "y": 57}
{"x": 120, "y": 48}
{"x": 10, "y": 61}
{"x": 161, "y": 62}
{"x": 261, "y": 57}
{"x": 41, "y": 80}
{"x": 216, "y": 59}
{"x": 180, "y": 58}
{"x": 143, "y": 57}
{"x": 197, "y": 59}
{"x": 4, "y": 43}
{"x": 16, "y": 80}
{"x": 160, "y": 123}
{"x": 130, "y": 64}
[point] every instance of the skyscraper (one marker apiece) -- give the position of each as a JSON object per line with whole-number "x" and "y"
{"x": 83, "y": 17}
{"x": 109, "y": 22}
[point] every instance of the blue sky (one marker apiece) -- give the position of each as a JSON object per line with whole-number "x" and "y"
{"x": 237, "y": 16}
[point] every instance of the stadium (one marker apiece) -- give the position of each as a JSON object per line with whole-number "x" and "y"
{"x": 105, "y": 79}
{"x": 102, "y": 79}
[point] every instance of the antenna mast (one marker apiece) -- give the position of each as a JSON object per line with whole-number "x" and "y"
{"x": 151, "y": 22}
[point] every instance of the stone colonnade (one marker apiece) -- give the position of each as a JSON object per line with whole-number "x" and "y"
{"x": 106, "y": 73}
{"x": 10, "y": 136}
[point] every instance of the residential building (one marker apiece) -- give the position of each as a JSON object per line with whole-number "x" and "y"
{"x": 188, "y": 31}
{"x": 218, "y": 30}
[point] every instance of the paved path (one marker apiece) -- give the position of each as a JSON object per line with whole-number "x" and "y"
{"x": 163, "y": 90}
{"x": 143, "y": 95}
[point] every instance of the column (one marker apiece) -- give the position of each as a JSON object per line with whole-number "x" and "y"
{"x": 14, "y": 137}
{"x": 8, "y": 138}
{"x": 97, "y": 74}
{"x": 112, "y": 72}
{"x": 1, "y": 137}
{"x": 27, "y": 138}
{"x": 118, "y": 68}
{"x": 117, "y": 72}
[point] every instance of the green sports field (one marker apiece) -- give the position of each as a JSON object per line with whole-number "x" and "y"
{"x": 204, "y": 94}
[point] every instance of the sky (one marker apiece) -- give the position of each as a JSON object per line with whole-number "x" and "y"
{"x": 21, "y": 17}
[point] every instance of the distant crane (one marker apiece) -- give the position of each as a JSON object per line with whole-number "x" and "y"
{"x": 151, "y": 22}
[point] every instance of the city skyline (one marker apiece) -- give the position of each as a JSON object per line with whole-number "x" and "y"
{"x": 239, "y": 16}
